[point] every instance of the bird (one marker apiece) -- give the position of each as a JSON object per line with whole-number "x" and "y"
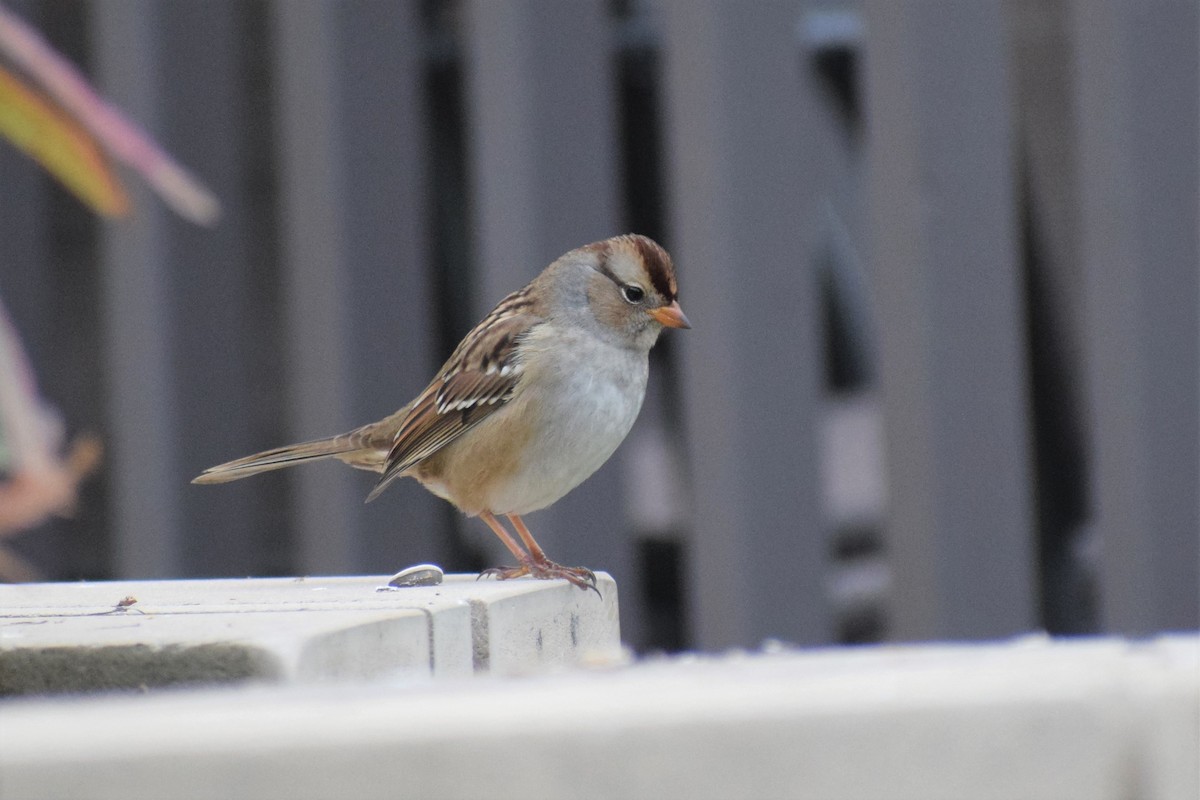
{"x": 533, "y": 400}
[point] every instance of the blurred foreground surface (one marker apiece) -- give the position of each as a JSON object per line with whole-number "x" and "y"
{"x": 1101, "y": 719}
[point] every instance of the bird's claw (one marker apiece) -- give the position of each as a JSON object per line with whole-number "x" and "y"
{"x": 582, "y": 577}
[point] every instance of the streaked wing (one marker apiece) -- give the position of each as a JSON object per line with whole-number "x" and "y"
{"x": 478, "y": 379}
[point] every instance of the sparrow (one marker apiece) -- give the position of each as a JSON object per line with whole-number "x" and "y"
{"x": 534, "y": 399}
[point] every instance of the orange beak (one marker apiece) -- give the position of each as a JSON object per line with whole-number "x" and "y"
{"x": 672, "y": 316}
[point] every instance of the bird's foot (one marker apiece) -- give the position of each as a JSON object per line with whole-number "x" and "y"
{"x": 503, "y": 573}
{"x": 582, "y": 577}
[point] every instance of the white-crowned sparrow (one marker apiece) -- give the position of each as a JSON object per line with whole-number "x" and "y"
{"x": 532, "y": 401}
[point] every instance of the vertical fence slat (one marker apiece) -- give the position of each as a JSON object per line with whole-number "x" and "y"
{"x": 948, "y": 291}
{"x": 543, "y": 150}
{"x": 743, "y": 225}
{"x": 1040, "y": 57}
{"x": 326, "y": 501}
{"x": 393, "y": 326}
{"x": 1137, "y": 101}
{"x": 26, "y": 272}
{"x": 221, "y": 353}
{"x": 146, "y": 480}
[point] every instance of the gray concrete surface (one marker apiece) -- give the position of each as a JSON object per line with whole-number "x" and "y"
{"x": 1028, "y": 719}
{"x": 75, "y": 637}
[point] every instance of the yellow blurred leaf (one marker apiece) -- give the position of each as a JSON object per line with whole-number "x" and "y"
{"x": 60, "y": 145}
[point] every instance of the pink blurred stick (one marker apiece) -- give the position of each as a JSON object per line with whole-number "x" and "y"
{"x": 25, "y": 47}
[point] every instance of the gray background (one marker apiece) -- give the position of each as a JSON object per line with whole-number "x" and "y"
{"x": 940, "y": 257}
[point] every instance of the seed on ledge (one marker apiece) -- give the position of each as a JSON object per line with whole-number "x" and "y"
{"x": 420, "y": 575}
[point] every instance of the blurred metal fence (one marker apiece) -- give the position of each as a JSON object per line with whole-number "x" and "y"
{"x": 941, "y": 258}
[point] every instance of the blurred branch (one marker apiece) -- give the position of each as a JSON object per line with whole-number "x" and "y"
{"x": 40, "y": 481}
{"x": 65, "y": 150}
{"x": 34, "y": 493}
{"x": 122, "y": 139}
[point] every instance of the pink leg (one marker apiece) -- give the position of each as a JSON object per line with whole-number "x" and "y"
{"x": 533, "y": 563}
{"x": 506, "y": 537}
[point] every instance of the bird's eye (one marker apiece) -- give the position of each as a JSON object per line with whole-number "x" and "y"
{"x": 632, "y": 294}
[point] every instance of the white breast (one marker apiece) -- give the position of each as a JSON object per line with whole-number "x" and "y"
{"x": 583, "y": 406}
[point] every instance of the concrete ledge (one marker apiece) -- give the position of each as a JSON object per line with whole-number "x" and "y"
{"x": 1102, "y": 720}
{"x": 78, "y": 637}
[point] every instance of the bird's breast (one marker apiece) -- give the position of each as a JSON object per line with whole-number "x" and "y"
{"x": 569, "y": 417}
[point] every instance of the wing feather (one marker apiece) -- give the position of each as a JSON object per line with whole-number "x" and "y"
{"x": 478, "y": 379}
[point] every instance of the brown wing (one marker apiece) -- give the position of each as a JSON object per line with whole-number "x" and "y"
{"x": 478, "y": 379}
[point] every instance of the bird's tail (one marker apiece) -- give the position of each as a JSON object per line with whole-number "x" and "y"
{"x": 279, "y": 458}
